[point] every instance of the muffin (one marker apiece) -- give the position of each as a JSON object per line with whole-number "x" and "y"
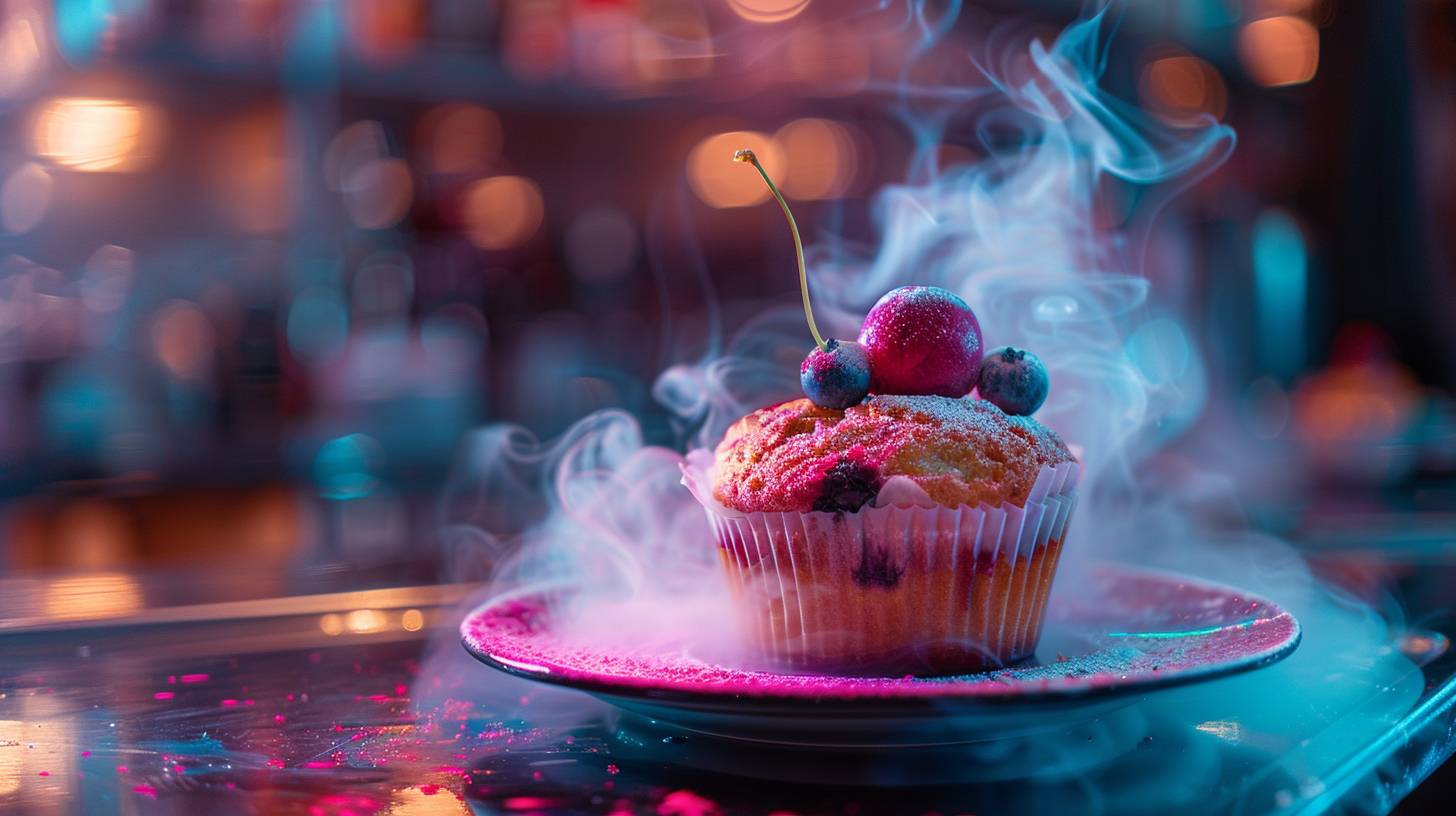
{"x": 910, "y": 534}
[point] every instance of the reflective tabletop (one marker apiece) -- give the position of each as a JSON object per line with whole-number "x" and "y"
{"x": 364, "y": 702}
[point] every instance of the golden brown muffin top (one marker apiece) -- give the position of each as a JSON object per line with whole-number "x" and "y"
{"x": 798, "y": 457}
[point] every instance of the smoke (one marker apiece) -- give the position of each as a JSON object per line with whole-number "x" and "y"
{"x": 1045, "y": 234}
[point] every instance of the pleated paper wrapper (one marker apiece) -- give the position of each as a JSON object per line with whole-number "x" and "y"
{"x": 901, "y": 586}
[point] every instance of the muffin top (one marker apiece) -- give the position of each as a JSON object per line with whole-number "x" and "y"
{"x": 798, "y": 457}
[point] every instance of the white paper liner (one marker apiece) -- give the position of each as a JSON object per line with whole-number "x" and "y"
{"x": 898, "y": 584}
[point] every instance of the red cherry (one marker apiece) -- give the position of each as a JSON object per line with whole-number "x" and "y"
{"x": 922, "y": 340}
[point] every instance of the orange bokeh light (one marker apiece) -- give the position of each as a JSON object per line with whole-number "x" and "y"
{"x": 821, "y": 157}
{"x": 721, "y": 182}
{"x": 182, "y": 339}
{"x": 767, "y": 11}
{"x": 1182, "y": 89}
{"x": 1279, "y": 51}
{"x": 254, "y": 172}
{"x": 90, "y": 597}
{"x": 502, "y": 212}
{"x": 91, "y": 135}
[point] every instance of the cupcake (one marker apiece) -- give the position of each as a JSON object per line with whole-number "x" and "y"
{"x": 906, "y": 534}
{"x": 912, "y": 530}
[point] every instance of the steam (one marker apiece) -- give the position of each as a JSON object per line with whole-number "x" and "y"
{"x": 1023, "y": 234}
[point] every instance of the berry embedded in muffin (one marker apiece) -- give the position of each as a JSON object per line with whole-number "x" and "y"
{"x": 799, "y": 457}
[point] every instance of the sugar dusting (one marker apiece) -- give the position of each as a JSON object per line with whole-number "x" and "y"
{"x": 960, "y": 450}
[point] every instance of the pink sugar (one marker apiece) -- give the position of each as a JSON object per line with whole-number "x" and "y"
{"x": 781, "y": 456}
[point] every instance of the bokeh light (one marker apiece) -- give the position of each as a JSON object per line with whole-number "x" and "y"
{"x": 331, "y": 624}
{"x": 721, "y": 182}
{"x": 354, "y": 147}
{"x": 89, "y": 597}
{"x": 502, "y": 212}
{"x": 345, "y": 467}
{"x": 92, "y": 135}
{"x": 1182, "y": 89}
{"x": 377, "y": 194}
{"x": 182, "y": 339}
{"x": 83, "y": 26}
{"x": 1281, "y": 283}
{"x": 318, "y": 323}
{"x": 107, "y": 278}
{"x": 25, "y": 197}
{"x": 459, "y": 138}
{"x": 254, "y": 172}
{"x": 21, "y": 59}
{"x": 821, "y": 156}
{"x": 385, "y": 30}
{"x": 412, "y": 620}
{"x": 425, "y": 801}
{"x": 767, "y": 11}
{"x": 365, "y": 621}
{"x": 1279, "y": 51}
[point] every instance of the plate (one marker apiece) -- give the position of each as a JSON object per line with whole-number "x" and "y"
{"x": 1124, "y": 632}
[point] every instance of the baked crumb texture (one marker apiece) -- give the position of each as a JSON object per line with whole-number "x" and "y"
{"x": 798, "y": 457}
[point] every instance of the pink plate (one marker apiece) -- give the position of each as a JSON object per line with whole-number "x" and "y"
{"x": 1133, "y": 630}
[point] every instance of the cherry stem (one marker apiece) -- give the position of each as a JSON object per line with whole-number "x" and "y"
{"x": 751, "y": 158}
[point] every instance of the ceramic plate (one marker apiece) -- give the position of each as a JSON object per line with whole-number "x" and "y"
{"x": 1130, "y": 631}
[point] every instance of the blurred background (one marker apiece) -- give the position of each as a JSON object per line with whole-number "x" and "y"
{"x": 265, "y": 263}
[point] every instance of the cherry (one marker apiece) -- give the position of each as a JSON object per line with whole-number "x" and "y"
{"x": 922, "y": 340}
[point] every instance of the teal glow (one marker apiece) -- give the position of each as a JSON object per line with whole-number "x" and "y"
{"x": 80, "y": 25}
{"x": 1184, "y": 634}
{"x": 311, "y": 59}
{"x": 1281, "y": 270}
{"x": 318, "y": 322}
{"x": 344, "y": 467}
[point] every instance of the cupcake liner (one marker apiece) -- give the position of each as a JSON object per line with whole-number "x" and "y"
{"x": 908, "y": 587}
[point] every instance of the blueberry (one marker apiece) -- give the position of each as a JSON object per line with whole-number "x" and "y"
{"x": 1013, "y": 380}
{"x": 836, "y": 376}
{"x": 848, "y": 486}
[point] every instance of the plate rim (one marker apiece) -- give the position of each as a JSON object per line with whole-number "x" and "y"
{"x": 950, "y": 691}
